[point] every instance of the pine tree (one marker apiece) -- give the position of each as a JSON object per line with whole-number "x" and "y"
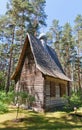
{"x": 15, "y": 24}
{"x": 78, "y": 30}
{"x": 37, "y": 17}
{"x": 56, "y": 32}
{"x": 67, "y": 48}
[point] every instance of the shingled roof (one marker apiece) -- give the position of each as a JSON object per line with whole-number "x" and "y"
{"x": 46, "y": 60}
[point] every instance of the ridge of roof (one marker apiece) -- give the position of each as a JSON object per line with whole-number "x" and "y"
{"x": 46, "y": 60}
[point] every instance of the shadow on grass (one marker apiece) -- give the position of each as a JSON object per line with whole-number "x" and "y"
{"x": 38, "y": 121}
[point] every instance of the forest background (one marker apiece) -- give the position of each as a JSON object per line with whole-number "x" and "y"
{"x": 30, "y": 16}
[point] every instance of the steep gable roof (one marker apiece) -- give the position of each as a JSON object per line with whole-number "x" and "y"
{"x": 46, "y": 60}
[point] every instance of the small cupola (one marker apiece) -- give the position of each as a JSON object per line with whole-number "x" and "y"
{"x": 43, "y": 39}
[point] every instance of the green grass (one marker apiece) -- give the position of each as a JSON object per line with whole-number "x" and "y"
{"x": 40, "y": 121}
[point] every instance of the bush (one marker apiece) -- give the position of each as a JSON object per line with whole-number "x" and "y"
{"x": 75, "y": 100}
{"x": 5, "y": 100}
{"x": 2, "y": 81}
{"x": 24, "y": 98}
{"x": 3, "y": 108}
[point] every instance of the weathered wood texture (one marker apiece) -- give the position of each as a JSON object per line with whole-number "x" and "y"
{"x": 59, "y": 89}
{"x": 31, "y": 79}
{"x": 40, "y": 73}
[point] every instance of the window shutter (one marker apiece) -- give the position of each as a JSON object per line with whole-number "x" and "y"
{"x": 52, "y": 89}
{"x": 62, "y": 90}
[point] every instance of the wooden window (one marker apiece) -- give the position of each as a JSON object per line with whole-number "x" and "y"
{"x": 62, "y": 90}
{"x": 52, "y": 89}
{"x": 57, "y": 91}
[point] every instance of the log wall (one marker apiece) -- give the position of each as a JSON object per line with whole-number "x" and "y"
{"x": 31, "y": 80}
{"x": 57, "y": 100}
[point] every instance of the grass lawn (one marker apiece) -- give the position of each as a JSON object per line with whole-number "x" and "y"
{"x": 40, "y": 121}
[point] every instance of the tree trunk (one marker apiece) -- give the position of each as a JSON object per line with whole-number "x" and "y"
{"x": 79, "y": 79}
{"x": 10, "y": 62}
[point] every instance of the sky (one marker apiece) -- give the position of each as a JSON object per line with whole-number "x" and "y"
{"x": 62, "y": 10}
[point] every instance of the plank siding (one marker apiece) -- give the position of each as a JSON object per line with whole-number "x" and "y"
{"x": 40, "y": 74}
{"x": 52, "y": 102}
{"x": 31, "y": 80}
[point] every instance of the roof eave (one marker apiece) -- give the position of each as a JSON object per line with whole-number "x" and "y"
{"x": 13, "y": 76}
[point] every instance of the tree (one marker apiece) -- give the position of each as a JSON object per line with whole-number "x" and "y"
{"x": 78, "y": 31}
{"x": 14, "y": 25}
{"x": 10, "y": 59}
{"x": 29, "y": 15}
{"x": 56, "y": 31}
{"x": 67, "y": 50}
{"x": 23, "y": 98}
{"x": 37, "y": 17}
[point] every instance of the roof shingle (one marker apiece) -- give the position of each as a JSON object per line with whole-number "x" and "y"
{"x": 46, "y": 59}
